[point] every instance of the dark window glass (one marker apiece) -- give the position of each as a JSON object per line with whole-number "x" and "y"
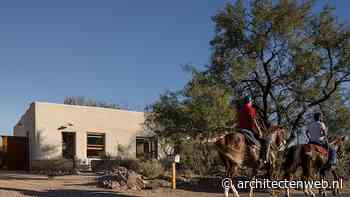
{"x": 95, "y": 144}
{"x": 147, "y": 147}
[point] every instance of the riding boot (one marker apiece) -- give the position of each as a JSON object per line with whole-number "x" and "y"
{"x": 262, "y": 149}
{"x": 332, "y": 158}
{"x": 267, "y": 152}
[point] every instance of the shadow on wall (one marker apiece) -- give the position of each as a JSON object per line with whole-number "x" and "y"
{"x": 127, "y": 151}
{"x": 46, "y": 157}
{"x": 44, "y": 151}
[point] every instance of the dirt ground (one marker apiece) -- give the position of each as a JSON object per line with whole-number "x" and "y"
{"x": 22, "y": 184}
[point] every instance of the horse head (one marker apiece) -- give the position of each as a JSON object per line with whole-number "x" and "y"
{"x": 277, "y": 135}
{"x": 338, "y": 144}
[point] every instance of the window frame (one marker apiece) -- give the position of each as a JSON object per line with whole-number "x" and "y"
{"x": 95, "y": 147}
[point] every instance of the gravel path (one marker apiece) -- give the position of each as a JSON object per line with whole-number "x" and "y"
{"x": 24, "y": 185}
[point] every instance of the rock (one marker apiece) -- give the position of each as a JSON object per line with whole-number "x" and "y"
{"x": 121, "y": 179}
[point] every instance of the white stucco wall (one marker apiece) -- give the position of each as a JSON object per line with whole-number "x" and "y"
{"x": 120, "y": 127}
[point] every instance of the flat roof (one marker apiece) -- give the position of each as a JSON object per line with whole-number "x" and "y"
{"x": 83, "y": 106}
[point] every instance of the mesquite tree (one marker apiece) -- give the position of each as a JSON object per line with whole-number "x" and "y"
{"x": 291, "y": 60}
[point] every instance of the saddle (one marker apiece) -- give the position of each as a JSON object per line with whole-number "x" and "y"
{"x": 320, "y": 148}
{"x": 249, "y": 136}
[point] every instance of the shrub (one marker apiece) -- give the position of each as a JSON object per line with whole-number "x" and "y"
{"x": 151, "y": 169}
{"x": 130, "y": 163}
{"x": 200, "y": 158}
{"x": 186, "y": 173}
{"x": 166, "y": 163}
{"x": 108, "y": 162}
{"x": 53, "y": 167}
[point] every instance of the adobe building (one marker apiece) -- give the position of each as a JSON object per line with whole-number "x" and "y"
{"x": 84, "y": 132}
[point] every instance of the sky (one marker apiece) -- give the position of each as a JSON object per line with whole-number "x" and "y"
{"x": 126, "y": 52}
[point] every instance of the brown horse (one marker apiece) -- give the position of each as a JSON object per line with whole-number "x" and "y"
{"x": 312, "y": 159}
{"x": 236, "y": 152}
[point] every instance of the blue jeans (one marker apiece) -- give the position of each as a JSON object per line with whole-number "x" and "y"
{"x": 332, "y": 156}
{"x": 250, "y": 135}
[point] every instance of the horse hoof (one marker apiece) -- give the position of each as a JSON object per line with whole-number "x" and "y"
{"x": 334, "y": 193}
{"x": 324, "y": 194}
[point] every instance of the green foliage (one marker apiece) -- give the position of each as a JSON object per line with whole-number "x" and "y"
{"x": 108, "y": 163}
{"x": 53, "y": 167}
{"x": 197, "y": 111}
{"x": 151, "y": 169}
{"x": 336, "y": 114}
{"x": 200, "y": 158}
{"x": 291, "y": 60}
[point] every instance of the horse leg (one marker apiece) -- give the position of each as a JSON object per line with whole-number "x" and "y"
{"x": 336, "y": 190}
{"x": 288, "y": 177}
{"x": 234, "y": 172}
{"x": 227, "y": 172}
{"x": 322, "y": 191}
{"x": 290, "y": 166}
{"x": 272, "y": 176}
{"x": 306, "y": 176}
{"x": 251, "y": 189}
{"x": 309, "y": 172}
{"x": 227, "y": 175}
{"x": 234, "y": 190}
{"x": 226, "y": 191}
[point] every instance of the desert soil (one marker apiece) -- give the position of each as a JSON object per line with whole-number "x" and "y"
{"x": 23, "y": 185}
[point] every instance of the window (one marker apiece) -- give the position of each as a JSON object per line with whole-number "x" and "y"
{"x": 95, "y": 144}
{"x": 147, "y": 147}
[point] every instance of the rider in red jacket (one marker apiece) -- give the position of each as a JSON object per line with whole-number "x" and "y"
{"x": 247, "y": 118}
{"x": 247, "y": 122}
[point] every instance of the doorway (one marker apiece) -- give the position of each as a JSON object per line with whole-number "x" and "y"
{"x": 68, "y": 145}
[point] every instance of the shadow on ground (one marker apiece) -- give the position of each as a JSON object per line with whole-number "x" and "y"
{"x": 66, "y": 193}
{"x": 211, "y": 185}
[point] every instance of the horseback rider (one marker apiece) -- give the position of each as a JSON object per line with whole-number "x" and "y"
{"x": 317, "y": 133}
{"x": 248, "y": 124}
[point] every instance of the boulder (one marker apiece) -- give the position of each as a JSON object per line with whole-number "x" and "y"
{"x": 121, "y": 178}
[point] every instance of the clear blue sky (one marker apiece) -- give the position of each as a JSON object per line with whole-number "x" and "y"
{"x": 119, "y": 51}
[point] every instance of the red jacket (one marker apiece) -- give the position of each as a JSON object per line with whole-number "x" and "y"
{"x": 245, "y": 117}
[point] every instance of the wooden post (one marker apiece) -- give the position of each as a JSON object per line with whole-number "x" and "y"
{"x": 174, "y": 176}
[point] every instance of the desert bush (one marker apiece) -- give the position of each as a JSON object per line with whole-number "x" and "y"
{"x": 166, "y": 163}
{"x": 199, "y": 158}
{"x": 151, "y": 169}
{"x": 130, "y": 163}
{"x": 187, "y": 173}
{"x": 53, "y": 167}
{"x": 205, "y": 159}
{"x": 108, "y": 162}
